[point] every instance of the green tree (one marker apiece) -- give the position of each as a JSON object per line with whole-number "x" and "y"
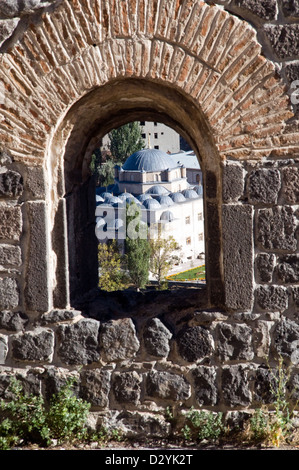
{"x": 137, "y": 247}
{"x": 125, "y": 140}
{"x": 102, "y": 170}
{"x": 164, "y": 254}
{"x": 112, "y": 277}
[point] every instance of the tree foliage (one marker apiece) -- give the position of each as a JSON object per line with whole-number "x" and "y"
{"x": 137, "y": 248}
{"x": 125, "y": 140}
{"x": 164, "y": 254}
{"x": 112, "y": 277}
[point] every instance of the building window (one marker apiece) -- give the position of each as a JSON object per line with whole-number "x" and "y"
{"x": 200, "y": 237}
{"x": 187, "y": 219}
{"x": 156, "y": 135}
{"x": 143, "y": 136}
{"x": 200, "y": 216}
{"x": 142, "y": 123}
{"x": 155, "y": 123}
{"x": 156, "y": 147}
{"x": 188, "y": 241}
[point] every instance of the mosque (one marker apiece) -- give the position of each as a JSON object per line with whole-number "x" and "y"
{"x": 157, "y": 182}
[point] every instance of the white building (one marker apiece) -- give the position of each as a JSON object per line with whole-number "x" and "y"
{"x": 158, "y": 184}
{"x": 160, "y": 137}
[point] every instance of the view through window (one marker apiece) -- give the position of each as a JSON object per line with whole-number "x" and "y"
{"x": 149, "y": 209}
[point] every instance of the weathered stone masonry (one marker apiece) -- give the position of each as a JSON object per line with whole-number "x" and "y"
{"x": 221, "y": 76}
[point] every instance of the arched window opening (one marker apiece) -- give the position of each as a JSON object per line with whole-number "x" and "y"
{"x": 156, "y": 187}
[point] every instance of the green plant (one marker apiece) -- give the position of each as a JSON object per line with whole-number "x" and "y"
{"x": 206, "y": 425}
{"x": 67, "y": 414}
{"x": 27, "y": 419}
{"x": 274, "y": 425}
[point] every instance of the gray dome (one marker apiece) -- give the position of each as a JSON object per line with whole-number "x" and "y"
{"x": 144, "y": 197}
{"x": 151, "y": 204}
{"x": 190, "y": 194}
{"x": 165, "y": 201}
{"x": 177, "y": 197}
{"x": 99, "y": 199}
{"x": 125, "y": 196}
{"x": 167, "y": 216}
{"x": 148, "y": 160}
{"x": 198, "y": 189}
{"x": 158, "y": 190}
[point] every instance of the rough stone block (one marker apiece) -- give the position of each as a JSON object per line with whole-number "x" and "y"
{"x": 78, "y": 343}
{"x": 263, "y": 186}
{"x": 35, "y": 182}
{"x": 9, "y": 293}
{"x": 286, "y": 340}
{"x": 10, "y": 255}
{"x": 13, "y": 321}
{"x": 291, "y": 185}
{"x": 284, "y": 39}
{"x": 265, "y": 266}
{"x": 235, "y": 386}
{"x": 37, "y": 293}
{"x": 272, "y": 298}
{"x": 167, "y": 386}
{"x": 288, "y": 268}
{"x": 11, "y": 184}
{"x": 205, "y": 385}
{"x": 266, "y": 9}
{"x": 34, "y": 346}
{"x": 194, "y": 343}
{"x": 237, "y": 256}
{"x": 3, "y": 348}
{"x": 232, "y": 182}
{"x": 264, "y": 386}
{"x": 127, "y": 387}
{"x": 262, "y": 338}
{"x": 95, "y": 387}
{"x": 276, "y": 228}
{"x": 118, "y": 340}
{"x": 58, "y": 316}
{"x": 11, "y": 222}
{"x": 290, "y": 8}
{"x": 156, "y": 338}
{"x": 234, "y": 342}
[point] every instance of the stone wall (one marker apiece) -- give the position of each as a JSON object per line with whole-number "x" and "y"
{"x": 70, "y": 70}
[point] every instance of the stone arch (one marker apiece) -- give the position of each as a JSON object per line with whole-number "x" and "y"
{"x": 207, "y": 58}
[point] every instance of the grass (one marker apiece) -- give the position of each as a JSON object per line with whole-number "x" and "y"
{"x": 194, "y": 274}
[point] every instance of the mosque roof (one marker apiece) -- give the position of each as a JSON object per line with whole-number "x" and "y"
{"x": 149, "y": 160}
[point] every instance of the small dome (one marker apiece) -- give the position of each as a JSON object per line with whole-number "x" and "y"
{"x": 148, "y": 160}
{"x": 99, "y": 199}
{"x": 167, "y": 216}
{"x": 114, "y": 200}
{"x": 125, "y": 196}
{"x": 144, "y": 197}
{"x": 165, "y": 200}
{"x": 157, "y": 189}
{"x": 190, "y": 194}
{"x": 198, "y": 189}
{"x": 177, "y": 197}
{"x": 151, "y": 204}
